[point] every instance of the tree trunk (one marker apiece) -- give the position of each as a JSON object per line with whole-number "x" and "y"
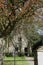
{"x": 29, "y": 49}
{"x": 20, "y": 45}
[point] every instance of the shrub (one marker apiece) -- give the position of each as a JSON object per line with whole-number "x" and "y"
{"x": 9, "y": 54}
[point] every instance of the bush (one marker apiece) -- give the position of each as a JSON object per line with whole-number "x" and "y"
{"x": 9, "y": 54}
{"x": 20, "y": 54}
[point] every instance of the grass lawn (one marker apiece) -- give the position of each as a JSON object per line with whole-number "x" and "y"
{"x": 18, "y": 62}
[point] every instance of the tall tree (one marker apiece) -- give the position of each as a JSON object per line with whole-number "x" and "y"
{"x": 8, "y": 17}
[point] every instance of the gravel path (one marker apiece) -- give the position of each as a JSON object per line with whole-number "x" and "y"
{"x": 30, "y": 60}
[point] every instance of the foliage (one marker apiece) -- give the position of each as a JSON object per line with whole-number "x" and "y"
{"x": 10, "y": 13}
{"x": 9, "y": 54}
{"x": 28, "y": 22}
{"x": 19, "y": 15}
